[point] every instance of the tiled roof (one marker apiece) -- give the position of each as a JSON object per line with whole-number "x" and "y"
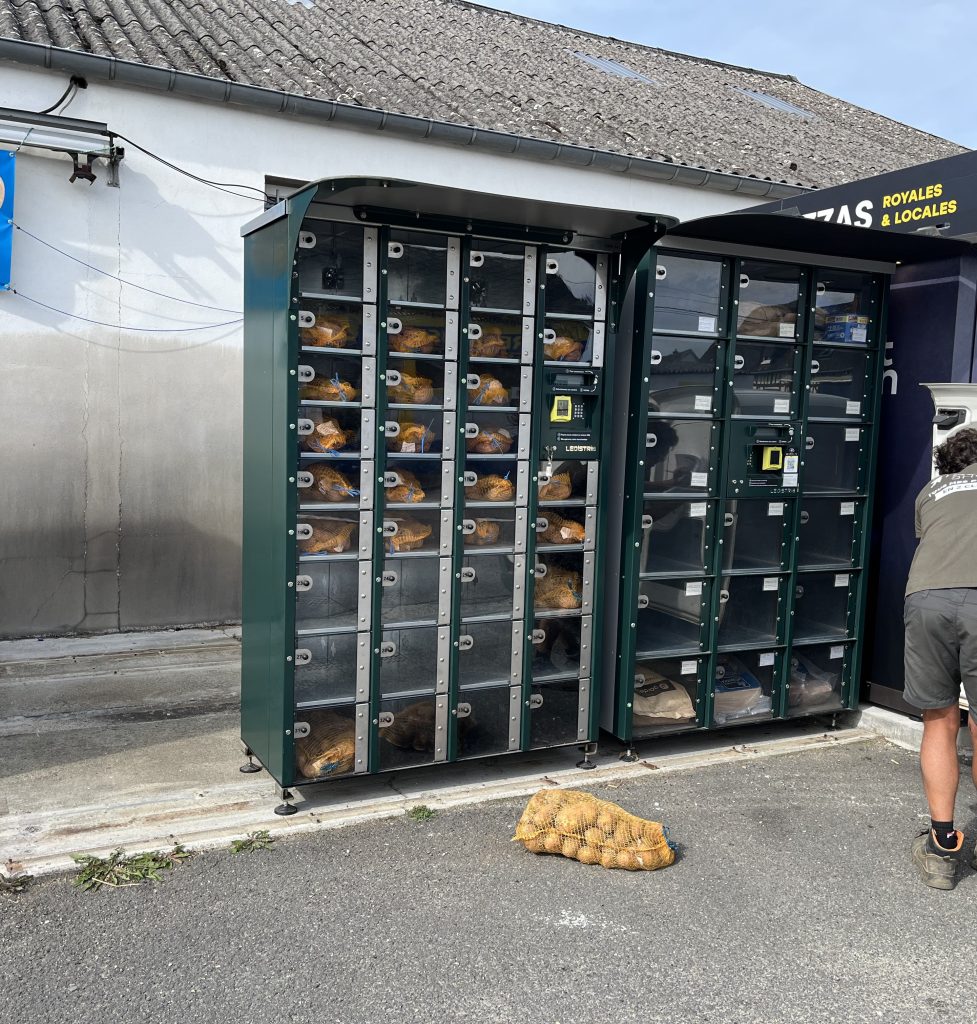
{"x": 459, "y": 62}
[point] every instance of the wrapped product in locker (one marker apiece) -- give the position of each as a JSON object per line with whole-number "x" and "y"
{"x": 744, "y": 687}
{"x": 666, "y": 694}
{"x": 817, "y": 678}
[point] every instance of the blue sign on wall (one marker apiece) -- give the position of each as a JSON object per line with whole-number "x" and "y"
{"x": 8, "y": 161}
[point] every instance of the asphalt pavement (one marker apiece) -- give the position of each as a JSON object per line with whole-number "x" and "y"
{"x": 792, "y": 900}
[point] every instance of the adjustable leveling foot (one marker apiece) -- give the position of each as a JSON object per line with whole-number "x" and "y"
{"x": 587, "y": 750}
{"x": 286, "y": 807}
{"x": 630, "y": 755}
{"x": 250, "y": 768}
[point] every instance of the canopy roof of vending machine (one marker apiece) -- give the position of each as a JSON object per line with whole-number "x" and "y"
{"x": 767, "y": 234}
{"x": 404, "y": 203}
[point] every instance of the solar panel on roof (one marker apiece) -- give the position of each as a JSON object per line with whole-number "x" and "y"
{"x": 613, "y": 67}
{"x": 775, "y": 102}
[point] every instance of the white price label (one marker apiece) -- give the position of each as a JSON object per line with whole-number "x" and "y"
{"x": 703, "y": 403}
{"x": 790, "y": 479}
{"x": 847, "y": 508}
{"x": 770, "y": 582}
{"x": 859, "y": 335}
{"x": 852, "y": 433}
{"x": 853, "y": 408}
{"x": 836, "y": 652}
{"x": 841, "y": 579}
{"x": 698, "y": 509}
{"x": 408, "y": 447}
{"x": 693, "y": 589}
{"x": 689, "y": 667}
{"x": 781, "y": 405}
{"x": 700, "y": 479}
{"x": 775, "y": 508}
{"x": 766, "y": 658}
{"x": 707, "y": 323}
{"x": 787, "y": 330}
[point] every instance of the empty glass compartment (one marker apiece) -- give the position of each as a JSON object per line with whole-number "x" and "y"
{"x": 684, "y": 375}
{"x": 554, "y": 716}
{"x": 839, "y": 382}
{"x": 764, "y": 379}
{"x": 753, "y": 534}
{"x": 337, "y": 660}
{"x": 561, "y": 648}
{"x": 827, "y": 532}
{"x": 816, "y": 678}
{"x": 745, "y": 687}
{"x": 408, "y": 660}
{"x": 666, "y": 694}
{"x": 832, "y": 459}
{"x": 332, "y": 595}
{"x": 490, "y": 653}
{"x": 822, "y": 603}
{"x": 688, "y": 295}
{"x": 769, "y": 300}
{"x": 846, "y": 307}
{"x": 330, "y": 258}
{"x": 413, "y": 589}
{"x": 679, "y": 456}
{"x": 418, "y": 266}
{"x": 412, "y": 731}
{"x": 571, "y": 283}
{"x": 498, "y": 276}
{"x": 671, "y": 615}
{"x": 491, "y": 584}
{"x": 676, "y": 536}
{"x": 487, "y": 719}
{"x": 748, "y": 610}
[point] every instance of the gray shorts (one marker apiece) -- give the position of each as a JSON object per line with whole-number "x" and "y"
{"x": 941, "y": 647}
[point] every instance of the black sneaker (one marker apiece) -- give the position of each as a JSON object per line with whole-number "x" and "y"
{"x": 937, "y": 867}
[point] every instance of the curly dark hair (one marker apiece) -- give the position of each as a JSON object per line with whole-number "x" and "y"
{"x": 957, "y": 452}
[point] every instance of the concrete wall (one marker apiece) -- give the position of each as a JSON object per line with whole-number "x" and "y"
{"x": 120, "y": 464}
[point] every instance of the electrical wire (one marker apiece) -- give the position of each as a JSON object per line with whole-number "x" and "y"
{"x": 72, "y": 87}
{"x": 126, "y": 327}
{"x": 223, "y": 186}
{"x": 115, "y": 277}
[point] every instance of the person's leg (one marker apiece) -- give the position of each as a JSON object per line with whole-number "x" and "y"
{"x": 938, "y": 760}
{"x": 973, "y": 742}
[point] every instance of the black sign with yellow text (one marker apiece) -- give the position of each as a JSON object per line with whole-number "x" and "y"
{"x": 940, "y": 196}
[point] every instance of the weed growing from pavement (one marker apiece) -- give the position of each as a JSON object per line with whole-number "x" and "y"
{"x": 120, "y": 869}
{"x": 14, "y": 884}
{"x": 252, "y": 841}
{"x": 421, "y": 813}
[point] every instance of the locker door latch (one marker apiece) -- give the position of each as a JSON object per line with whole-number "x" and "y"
{"x": 463, "y": 710}
{"x": 300, "y": 730}
{"x": 466, "y": 643}
{"x": 385, "y": 719}
{"x": 535, "y": 701}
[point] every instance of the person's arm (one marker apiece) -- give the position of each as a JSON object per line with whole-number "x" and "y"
{"x": 919, "y": 525}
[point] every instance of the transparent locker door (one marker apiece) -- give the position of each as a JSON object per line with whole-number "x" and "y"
{"x": 689, "y": 295}
{"x": 846, "y": 308}
{"x": 754, "y": 534}
{"x": 676, "y": 536}
{"x": 818, "y": 677}
{"x": 667, "y": 694}
{"x": 685, "y": 375}
{"x": 746, "y": 687}
{"x": 680, "y": 456}
{"x": 672, "y": 616}
{"x": 829, "y": 532}
{"x": 769, "y": 300}
{"x": 823, "y": 605}
{"x": 834, "y": 459}
{"x": 749, "y": 611}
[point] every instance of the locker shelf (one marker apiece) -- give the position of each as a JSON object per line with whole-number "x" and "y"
{"x": 335, "y": 662}
{"x": 333, "y": 596}
{"x": 676, "y": 537}
{"x": 754, "y": 535}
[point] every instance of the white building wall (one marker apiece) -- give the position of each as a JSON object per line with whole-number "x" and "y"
{"x": 120, "y": 464}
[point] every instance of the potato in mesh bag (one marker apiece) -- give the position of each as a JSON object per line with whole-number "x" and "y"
{"x": 564, "y": 350}
{"x": 559, "y": 588}
{"x": 491, "y": 487}
{"x": 328, "y": 332}
{"x": 488, "y": 391}
{"x": 412, "y": 438}
{"x": 561, "y": 531}
{"x": 330, "y": 747}
{"x": 410, "y": 535}
{"x": 487, "y": 531}
{"x": 412, "y": 389}
{"x": 331, "y": 485}
{"x": 593, "y": 831}
{"x": 406, "y": 489}
{"x": 490, "y": 442}
{"x": 329, "y": 389}
{"x": 413, "y": 339}
{"x": 328, "y": 436}
{"x": 557, "y": 488}
{"x": 329, "y": 536}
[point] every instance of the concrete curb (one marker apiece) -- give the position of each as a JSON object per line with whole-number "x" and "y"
{"x": 211, "y": 819}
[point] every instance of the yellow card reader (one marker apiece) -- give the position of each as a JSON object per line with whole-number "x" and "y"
{"x": 562, "y": 409}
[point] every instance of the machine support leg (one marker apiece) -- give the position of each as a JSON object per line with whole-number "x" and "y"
{"x": 630, "y": 755}
{"x": 286, "y": 807}
{"x": 250, "y": 768}
{"x": 587, "y": 750}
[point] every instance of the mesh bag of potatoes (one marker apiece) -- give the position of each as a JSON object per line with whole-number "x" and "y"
{"x": 582, "y": 827}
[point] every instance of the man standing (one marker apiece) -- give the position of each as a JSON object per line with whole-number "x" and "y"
{"x": 941, "y": 644}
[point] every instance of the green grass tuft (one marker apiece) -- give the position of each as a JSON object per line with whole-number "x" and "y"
{"x": 421, "y": 813}
{"x": 120, "y": 869}
{"x": 261, "y": 840}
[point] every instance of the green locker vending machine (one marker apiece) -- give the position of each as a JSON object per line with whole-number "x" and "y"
{"x": 750, "y": 406}
{"x": 423, "y": 437}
